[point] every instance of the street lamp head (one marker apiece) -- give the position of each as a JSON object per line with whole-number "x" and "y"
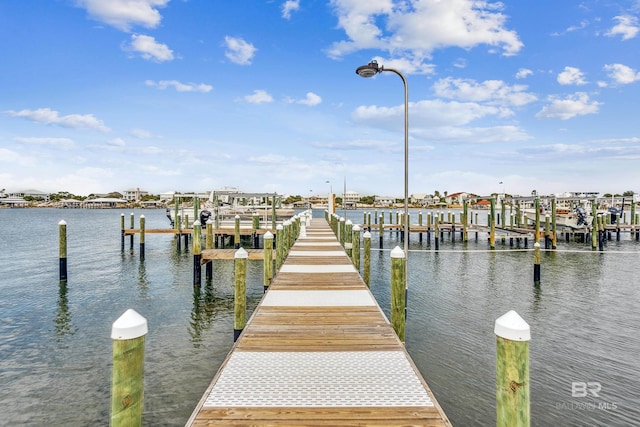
{"x": 369, "y": 70}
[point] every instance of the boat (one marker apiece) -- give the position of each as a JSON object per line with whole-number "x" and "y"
{"x": 224, "y": 205}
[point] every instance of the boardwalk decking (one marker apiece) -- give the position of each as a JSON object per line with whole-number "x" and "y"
{"x": 318, "y": 351}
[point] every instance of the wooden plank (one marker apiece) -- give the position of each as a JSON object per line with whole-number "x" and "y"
{"x": 315, "y": 326}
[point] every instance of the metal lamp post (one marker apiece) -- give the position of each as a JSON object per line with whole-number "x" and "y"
{"x": 370, "y": 70}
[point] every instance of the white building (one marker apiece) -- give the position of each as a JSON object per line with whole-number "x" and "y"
{"x": 134, "y": 195}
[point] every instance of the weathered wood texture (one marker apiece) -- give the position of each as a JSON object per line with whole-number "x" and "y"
{"x": 309, "y": 318}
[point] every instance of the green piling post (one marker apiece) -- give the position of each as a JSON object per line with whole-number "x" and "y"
{"x": 142, "y": 239}
{"x": 197, "y": 253}
{"x": 62, "y": 249}
{"x": 536, "y": 263}
{"x": 492, "y": 225}
{"x": 366, "y": 273}
{"x": 512, "y": 371}
{"x": 279, "y": 246}
{"x": 342, "y": 231}
{"x": 348, "y": 237}
{"x": 132, "y": 224}
{"x": 122, "y": 231}
{"x": 240, "y": 293}
{"x": 208, "y": 242}
{"x": 236, "y": 233}
{"x": 127, "y": 388}
{"x": 398, "y": 292}
{"x": 268, "y": 260}
{"x": 273, "y": 213}
{"x": 355, "y": 246}
{"x": 176, "y": 221}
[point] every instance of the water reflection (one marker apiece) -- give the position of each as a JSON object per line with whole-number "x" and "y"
{"x": 62, "y": 321}
{"x": 143, "y": 281}
{"x": 206, "y": 307}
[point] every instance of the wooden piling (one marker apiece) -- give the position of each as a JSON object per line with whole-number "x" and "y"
{"x": 398, "y": 292}
{"x": 127, "y": 388}
{"x": 366, "y": 273}
{"x": 62, "y": 249}
{"x": 236, "y": 234}
{"x": 268, "y": 259}
{"x": 208, "y": 244}
{"x": 240, "y": 293}
{"x": 132, "y": 224}
{"x": 142, "y": 239}
{"x": 554, "y": 225}
{"x": 492, "y": 232}
{"x": 355, "y": 246}
{"x": 122, "y": 231}
{"x": 381, "y": 230}
{"x": 279, "y": 246}
{"x": 512, "y": 371}
{"x": 536, "y": 263}
{"x": 348, "y": 237}
{"x": 197, "y": 253}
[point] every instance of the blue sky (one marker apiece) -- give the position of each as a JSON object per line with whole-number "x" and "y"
{"x": 192, "y": 95}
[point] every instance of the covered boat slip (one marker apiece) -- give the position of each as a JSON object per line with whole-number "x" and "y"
{"x": 318, "y": 350}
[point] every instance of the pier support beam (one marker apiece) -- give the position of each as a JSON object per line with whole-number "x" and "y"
{"x": 512, "y": 371}
{"x": 268, "y": 260}
{"x": 366, "y": 274}
{"x": 127, "y": 390}
{"x": 62, "y": 232}
{"x": 398, "y": 292}
{"x": 240, "y": 293}
{"x": 197, "y": 253}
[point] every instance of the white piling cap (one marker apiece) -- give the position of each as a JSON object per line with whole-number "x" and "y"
{"x": 356, "y": 228}
{"x": 341, "y": 219}
{"x": 512, "y": 327}
{"x": 62, "y": 222}
{"x": 279, "y": 227}
{"x": 348, "y": 222}
{"x": 536, "y": 245}
{"x": 397, "y": 252}
{"x": 196, "y": 222}
{"x": 366, "y": 235}
{"x": 241, "y": 254}
{"x": 128, "y": 326}
{"x": 268, "y": 235}
{"x": 121, "y": 214}
{"x": 141, "y": 216}
{"x": 237, "y": 216}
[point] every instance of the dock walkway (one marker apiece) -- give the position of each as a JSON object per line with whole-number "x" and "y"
{"x": 318, "y": 351}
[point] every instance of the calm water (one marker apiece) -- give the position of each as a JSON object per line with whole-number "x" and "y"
{"x": 55, "y": 350}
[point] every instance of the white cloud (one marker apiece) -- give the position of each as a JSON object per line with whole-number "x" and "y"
{"x": 490, "y": 91}
{"x": 627, "y": 27}
{"x": 239, "y": 51}
{"x": 621, "y": 74}
{"x": 116, "y": 142}
{"x": 288, "y": 7}
{"x": 571, "y": 76}
{"x": 523, "y": 73}
{"x": 64, "y": 143}
{"x": 311, "y": 100}
{"x": 123, "y": 14}
{"x": 574, "y": 105}
{"x": 149, "y": 48}
{"x": 50, "y": 117}
{"x": 180, "y": 87}
{"x": 259, "y": 96}
{"x": 141, "y": 133}
{"x": 422, "y": 28}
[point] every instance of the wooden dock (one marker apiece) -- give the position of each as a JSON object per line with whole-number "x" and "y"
{"x": 318, "y": 351}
